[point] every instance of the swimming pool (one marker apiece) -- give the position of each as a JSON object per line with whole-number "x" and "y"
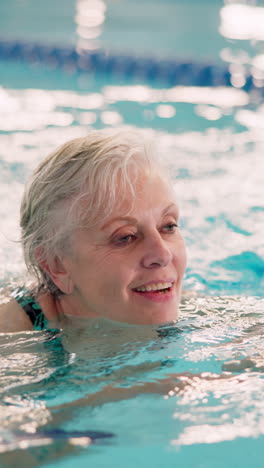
{"x": 213, "y": 416}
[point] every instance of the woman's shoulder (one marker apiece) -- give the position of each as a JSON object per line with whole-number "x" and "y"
{"x": 19, "y": 311}
{"x": 12, "y": 317}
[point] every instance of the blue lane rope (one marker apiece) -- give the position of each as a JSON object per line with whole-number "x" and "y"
{"x": 151, "y": 70}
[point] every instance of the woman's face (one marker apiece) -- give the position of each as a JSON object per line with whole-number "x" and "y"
{"x": 130, "y": 267}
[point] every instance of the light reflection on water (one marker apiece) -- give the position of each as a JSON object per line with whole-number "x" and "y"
{"x": 89, "y": 18}
{"x": 242, "y": 22}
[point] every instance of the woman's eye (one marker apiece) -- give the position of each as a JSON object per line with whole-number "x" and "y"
{"x": 170, "y": 228}
{"x": 125, "y": 240}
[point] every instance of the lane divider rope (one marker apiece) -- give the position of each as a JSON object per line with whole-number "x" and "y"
{"x": 151, "y": 70}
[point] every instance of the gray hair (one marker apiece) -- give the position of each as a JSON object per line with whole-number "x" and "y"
{"x": 77, "y": 184}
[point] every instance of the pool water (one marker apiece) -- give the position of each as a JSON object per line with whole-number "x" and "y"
{"x": 107, "y": 395}
{"x": 188, "y": 394}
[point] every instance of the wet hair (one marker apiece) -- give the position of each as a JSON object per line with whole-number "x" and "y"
{"x": 76, "y": 186}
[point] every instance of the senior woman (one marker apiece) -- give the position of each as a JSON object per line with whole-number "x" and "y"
{"x": 100, "y": 233}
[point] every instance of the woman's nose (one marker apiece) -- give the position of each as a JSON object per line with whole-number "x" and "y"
{"x": 156, "y": 252}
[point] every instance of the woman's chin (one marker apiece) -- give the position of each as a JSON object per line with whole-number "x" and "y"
{"x": 159, "y": 319}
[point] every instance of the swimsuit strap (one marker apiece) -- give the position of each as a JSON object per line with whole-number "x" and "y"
{"x": 33, "y": 310}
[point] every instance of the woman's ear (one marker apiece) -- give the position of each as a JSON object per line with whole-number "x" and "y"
{"x": 57, "y": 271}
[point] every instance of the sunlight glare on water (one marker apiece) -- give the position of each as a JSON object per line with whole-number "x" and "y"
{"x": 243, "y": 22}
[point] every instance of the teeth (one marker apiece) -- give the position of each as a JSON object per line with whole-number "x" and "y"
{"x": 154, "y": 287}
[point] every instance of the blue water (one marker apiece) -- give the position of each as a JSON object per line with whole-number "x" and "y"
{"x": 189, "y": 394}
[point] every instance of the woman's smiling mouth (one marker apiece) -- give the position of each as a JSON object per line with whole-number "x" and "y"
{"x": 161, "y": 291}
